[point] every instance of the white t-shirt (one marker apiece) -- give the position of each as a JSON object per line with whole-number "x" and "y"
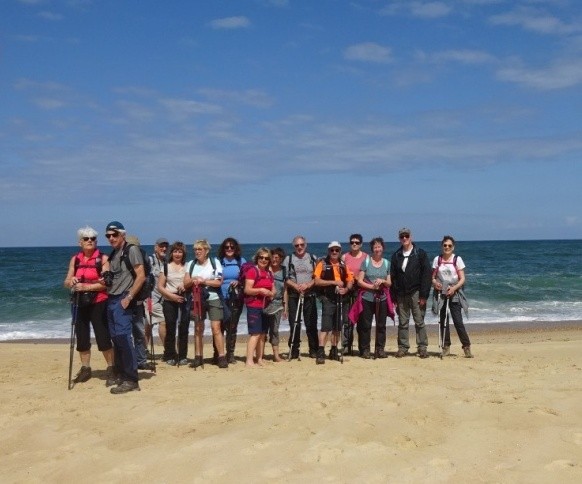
{"x": 447, "y": 273}
{"x": 206, "y": 272}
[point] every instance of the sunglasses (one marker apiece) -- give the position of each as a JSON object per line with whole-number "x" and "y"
{"x": 114, "y": 235}
{"x": 447, "y": 245}
{"x": 263, "y": 257}
{"x": 299, "y": 245}
{"x": 87, "y": 239}
{"x": 229, "y": 246}
{"x": 163, "y": 246}
{"x": 334, "y": 250}
{"x": 355, "y": 242}
{"x": 405, "y": 236}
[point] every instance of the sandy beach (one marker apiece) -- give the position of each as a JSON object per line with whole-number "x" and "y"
{"x": 511, "y": 414}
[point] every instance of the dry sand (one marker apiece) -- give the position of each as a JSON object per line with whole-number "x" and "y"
{"x": 511, "y": 414}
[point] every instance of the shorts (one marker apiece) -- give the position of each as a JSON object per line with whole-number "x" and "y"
{"x": 329, "y": 315}
{"x": 212, "y": 310}
{"x": 157, "y": 315}
{"x": 257, "y": 321}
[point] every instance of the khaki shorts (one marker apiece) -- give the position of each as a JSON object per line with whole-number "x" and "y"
{"x": 157, "y": 314}
{"x": 213, "y": 311}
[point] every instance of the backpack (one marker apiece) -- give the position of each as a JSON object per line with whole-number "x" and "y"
{"x": 205, "y": 289}
{"x": 440, "y": 262}
{"x": 327, "y": 274}
{"x": 98, "y": 263}
{"x": 150, "y": 281}
{"x": 291, "y": 266}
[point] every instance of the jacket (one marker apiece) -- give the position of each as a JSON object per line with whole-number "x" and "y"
{"x": 417, "y": 276}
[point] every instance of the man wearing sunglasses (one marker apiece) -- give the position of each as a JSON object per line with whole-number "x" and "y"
{"x": 410, "y": 273}
{"x": 300, "y": 265}
{"x": 335, "y": 280}
{"x": 155, "y": 313}
{"x": 123, "y": 288}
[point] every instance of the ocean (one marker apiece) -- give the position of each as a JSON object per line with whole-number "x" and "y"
{"x": 507, "y": 281}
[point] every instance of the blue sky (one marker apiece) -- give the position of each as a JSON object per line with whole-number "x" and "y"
{"x": 263, "y": 119}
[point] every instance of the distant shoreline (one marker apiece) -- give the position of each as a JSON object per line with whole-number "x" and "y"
{"x": 476, "y": 328}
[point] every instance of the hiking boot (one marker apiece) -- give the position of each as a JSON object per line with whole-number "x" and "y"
{"x": 294, "y": 355}
{"x": 221, "y": 362}
{"x": 112, "y": 378}
{"x": 183, "y": 362}
{"x": 467, "y": 350}
{"x": 333, "y": 354}
{"x": 381, "y": 354}
{"x": 197, "y": 361}
{"x": 401, "y": 353}
{"x": 124, "y": 387}
{"x": 366, "y": 355}
{"x": 422, "y": 353}
{"x": 313, "y": 353}
{"x": 446, "y": 350}
{"x": 83, "y": 375}
{"x": 230, "y": 358}
{"x": 320, "y": 357}
{"x": 146, "y": 366}
{"x": 171, "y": 362}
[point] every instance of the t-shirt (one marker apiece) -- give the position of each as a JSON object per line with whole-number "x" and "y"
{"x": 175, "y": 278}
{"x": 446, "y": 272}
{"x": 206, "y": 272}
{"x": 122, "y": 278}
{"x": 354, "y": 263}
{"x": 372, "y": 273}
{"x": 262, "y": 279}
{"x": 230, "y": 273}
{"x": 279, "y": 285}
{"x": 303, "y": 272}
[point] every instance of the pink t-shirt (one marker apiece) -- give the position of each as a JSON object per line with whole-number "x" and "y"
{"x": 354, "y": 263}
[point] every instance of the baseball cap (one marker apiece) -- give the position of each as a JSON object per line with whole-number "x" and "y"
{"x": 116, "y": 226}
{"x": 403, "y": 231}
{"x": 334, "y": 243}
{"x": 161, "y": 241}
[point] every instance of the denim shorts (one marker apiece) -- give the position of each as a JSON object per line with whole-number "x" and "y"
{"x": 257, "y": 321}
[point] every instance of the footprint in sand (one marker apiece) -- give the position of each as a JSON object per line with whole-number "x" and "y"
{"x": 559, "y": 464}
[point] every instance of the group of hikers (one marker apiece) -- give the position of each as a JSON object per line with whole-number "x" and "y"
{"x": 125, "y": 293}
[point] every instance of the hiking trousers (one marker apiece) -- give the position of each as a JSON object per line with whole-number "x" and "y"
{"x": 309, "y": 319}
{"x": 408, "y": 304}
{"x": 457, "y": 315}
{"x": 365, "y": 326}
{"x": 120, "y": 329}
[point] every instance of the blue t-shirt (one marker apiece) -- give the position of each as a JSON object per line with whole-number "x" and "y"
{"x": 373, "y": 273}
{"x": 230, "y": 272}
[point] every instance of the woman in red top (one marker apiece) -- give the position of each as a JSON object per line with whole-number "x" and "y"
{"x": 90, "y": 297}
{"x": 259, "y": 290}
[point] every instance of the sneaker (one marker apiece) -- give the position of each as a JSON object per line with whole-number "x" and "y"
{"x": 222, "y": 363}
{"x": 446, "y": 350}
{"x": 401, "y": 353}
{"x": 467, "y": 350}
{"x": 366, "y": 355}
{"x": 313, "y": 353}
{"x": 112, "y": 378}
{"x": 381, "y": 354}
{"x": 124, "y": 387}
{"x": 422, "y": 353}
{"x": 230, "y": 358}
{"x": 171, "y": 362}
{"x": 197, "y": 361}
{"x": 320, "y": 357}
{"x": 333, "y": 354}
{"x": 146, "y": 366}
{"x": 83, "y": 375}
{"x": 183, "y": 362}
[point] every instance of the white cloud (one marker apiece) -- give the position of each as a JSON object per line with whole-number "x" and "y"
{"x": 561, "y": 74}
{"x": 536, "y": 21}
{"x": 368, "y": 52}
{"x": 51, "y": 16}
{"x": 463, "y": 56}
{"x": 250, "y": 97}
{"x": 418, "y": 9}
{"x": 228, "y": 23}
{"x": 180, "y": 109}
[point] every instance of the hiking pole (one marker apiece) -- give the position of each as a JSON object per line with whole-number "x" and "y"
{"x": 446, "y": 328}
{"x": 298, "y": 314}
{"x": 440, "y": 330}
{"x": 197, "y": 312}
{"x": 340, "y": 325}
{"x": 377, "y": 317}
{"x": 178, "y": 322}
{"x": 152, "y": 355}
{"x": 75, "y": 311}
